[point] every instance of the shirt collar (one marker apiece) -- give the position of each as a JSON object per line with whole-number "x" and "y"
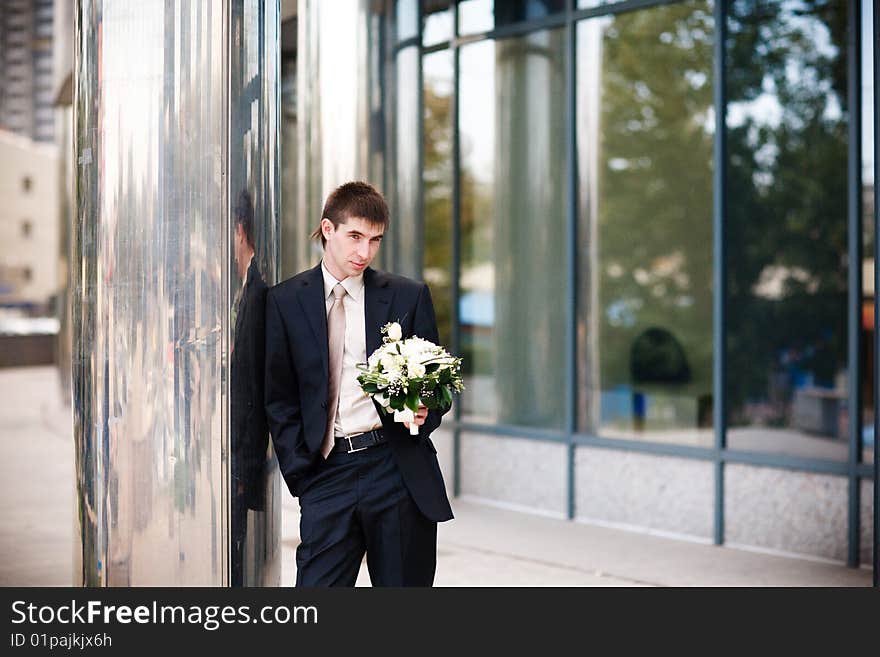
{"x": 354, "y": 285}
{"x": 247, "y": 273}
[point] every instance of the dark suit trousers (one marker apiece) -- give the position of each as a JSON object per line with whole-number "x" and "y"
{"x": 356, "y": 503}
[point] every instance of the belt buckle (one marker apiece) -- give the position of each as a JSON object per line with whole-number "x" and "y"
{"x": 351, "y": 448}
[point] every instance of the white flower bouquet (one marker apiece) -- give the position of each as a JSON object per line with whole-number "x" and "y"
{"x": 403, "y": 374}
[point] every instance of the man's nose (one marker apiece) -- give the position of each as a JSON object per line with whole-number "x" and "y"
{"x": 363, "y": 250}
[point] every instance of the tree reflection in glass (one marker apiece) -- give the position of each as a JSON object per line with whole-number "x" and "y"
{"x": 437, "y": 186}
{"x": 645, "y": 136}
{"x": 786, "y": 227}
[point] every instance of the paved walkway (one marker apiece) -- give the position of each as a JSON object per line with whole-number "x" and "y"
{"x": 483, "y": 546}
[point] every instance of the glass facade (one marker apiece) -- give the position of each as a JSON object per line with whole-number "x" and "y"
{"x": 512, "y": 273}
{"x": 638, "y": 221}
{"x": 483, "y": 15}
{"x": 437, "y": 173}
{"x": 437, "y": 21}
{"x": 406, "y": 117}
{"x": 645, "y": 127}
{"x": 786, "y": 229}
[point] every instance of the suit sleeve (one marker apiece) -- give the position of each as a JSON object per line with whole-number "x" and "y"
{"x": 283, "y": 411}
{"x": 425, "y": 326}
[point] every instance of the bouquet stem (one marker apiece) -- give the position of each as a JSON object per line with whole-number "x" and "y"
{"x": 406, "y": 415}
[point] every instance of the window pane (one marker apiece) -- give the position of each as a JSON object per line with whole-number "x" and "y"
{"x": 786, "y": 228}
{"x": 485, "y": 15}
{"x": 645, "y": 127}
{"x": 406, "y": 211}
{"x": 513, "y": 292}
{"x": 407, "y": 18}
{"x": 438, "y": 21}
{"x": 437, "y": 185}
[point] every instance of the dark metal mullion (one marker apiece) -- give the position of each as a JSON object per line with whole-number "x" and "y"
{"x": 661, "y": 449}
{"x": 412, "y": 41}
{"x": 785, "y": 462}
{"x": 719, "y": 257}
{"x": 571, "y": 262}
{"x": 780, "y": 461}
{"x": 515, "y": 431}
{"x": 854, "y": 287}
{"x": 436, "y": 47}
{"x": 515, "y": 29}
{"x": 456, "y": 252}
{"x": 520, "y": 28}
{"x": 876, "y": 66}
{"x": 621, "y": 8}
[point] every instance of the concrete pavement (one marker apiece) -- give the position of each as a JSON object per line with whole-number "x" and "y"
{"x": 483, "y": 546}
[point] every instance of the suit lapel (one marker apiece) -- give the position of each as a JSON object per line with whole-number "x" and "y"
{"x": 239, "y": 311}
{"x": 377, "y": 302}
{"x": 311, "y": 298}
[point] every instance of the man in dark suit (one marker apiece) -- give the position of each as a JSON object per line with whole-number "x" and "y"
{"x": 250, "y": 433}
{"x": 365, "y": 485}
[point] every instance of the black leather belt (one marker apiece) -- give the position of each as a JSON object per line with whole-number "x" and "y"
{"x": 359, "y": 441}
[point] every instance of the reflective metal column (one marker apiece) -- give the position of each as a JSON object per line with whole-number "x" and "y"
{"x": 175, "y": 132}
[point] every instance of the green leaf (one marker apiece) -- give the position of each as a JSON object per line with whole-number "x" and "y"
{"x": 412, "y": 399}
{"x": 447, "y": 395}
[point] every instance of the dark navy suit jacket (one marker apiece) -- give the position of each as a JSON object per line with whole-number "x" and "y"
{"x": 297, "y": 378}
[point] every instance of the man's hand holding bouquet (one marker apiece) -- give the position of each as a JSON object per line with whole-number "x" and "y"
{"x": 407, "y": 376}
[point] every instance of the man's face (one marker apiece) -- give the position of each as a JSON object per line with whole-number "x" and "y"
{"x": 239, "y": 249}
{"x": 351, "y": 246}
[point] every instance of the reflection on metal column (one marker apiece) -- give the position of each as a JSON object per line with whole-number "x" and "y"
{"x": 338, "y": 100}
{"x": 155, "y": 289}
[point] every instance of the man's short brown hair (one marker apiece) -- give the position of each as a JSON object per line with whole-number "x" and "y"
{"x": 354, "y": 199}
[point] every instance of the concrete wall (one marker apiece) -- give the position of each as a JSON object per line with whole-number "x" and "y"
{"x": 793, "y": 512}
{"x": 515, "y": 472}
{"x": 662, "y": 494}
{"x": 867, "y": 538}
{"x": 778, "y": 510}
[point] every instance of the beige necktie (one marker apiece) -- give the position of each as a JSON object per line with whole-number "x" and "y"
{"x": 336, "y": 344}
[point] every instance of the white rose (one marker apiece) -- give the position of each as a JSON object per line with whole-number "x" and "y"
{"x": 413, "y": 348}
{"x": 390, "y": 363}
{"x": 416, "y": 370}
{"x": 394, "y": 331}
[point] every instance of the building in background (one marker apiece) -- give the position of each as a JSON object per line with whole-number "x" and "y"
{"x": 28, "y": 227}
{"x": 29, "y": 185}
{"x": 26, "y": 97}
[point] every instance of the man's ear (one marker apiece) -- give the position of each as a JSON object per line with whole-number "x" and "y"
{"x": 326, "y": 227}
